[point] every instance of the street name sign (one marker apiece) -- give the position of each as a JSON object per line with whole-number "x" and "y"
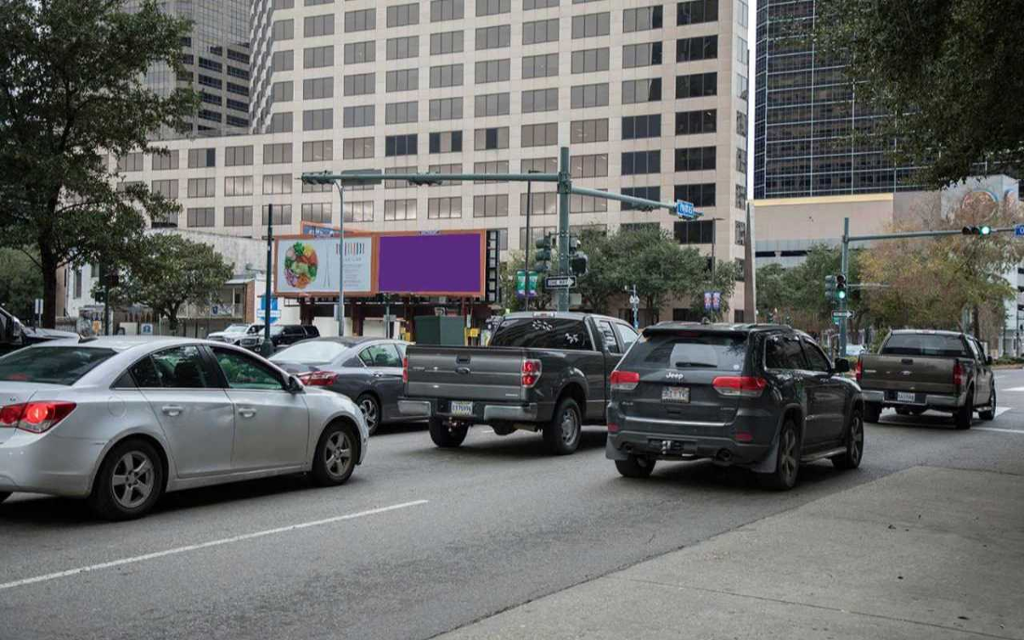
{"x": 685, "y": 210}
{"x": 559, "y": 282}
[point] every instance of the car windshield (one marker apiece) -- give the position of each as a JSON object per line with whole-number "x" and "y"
{"x": 237, "y": 328}
{"x": 310, "y": 353}
{"x": 52, "y": 365}
{"x": 925, "y": 344}
{"x": 690, "y": 350}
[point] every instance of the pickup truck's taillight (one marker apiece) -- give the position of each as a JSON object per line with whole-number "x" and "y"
{"x": 405, "y": 370}
{"x": 318, "y": 378}
{"x": 739, "y": 386}
{"x": 858, "y": 370}
{"x": 35, "y": 417}
{"x": 958, "y": 374}
{"x": 624, "y": 380}
{"x": 530, "y": 372}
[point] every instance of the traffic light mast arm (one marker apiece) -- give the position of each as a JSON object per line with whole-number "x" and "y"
{"x": 640, "y": 203}
{"x": 427, "y": 178}
{"x": 920, "y": 234}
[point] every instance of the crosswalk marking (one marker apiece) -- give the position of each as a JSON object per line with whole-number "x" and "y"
{"x": 1017, "y": 431}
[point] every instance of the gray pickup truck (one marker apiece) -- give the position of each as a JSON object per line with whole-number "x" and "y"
{"x": 916, "y": 370}
{"x": 543, "y": 372}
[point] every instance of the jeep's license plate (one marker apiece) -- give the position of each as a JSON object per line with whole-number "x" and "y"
{"x": 903, "y": 396}
{"x": 675, "y": 394}
{"x": 461, "y": 408}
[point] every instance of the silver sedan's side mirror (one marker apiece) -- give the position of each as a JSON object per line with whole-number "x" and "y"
{"x": 294, "y": 386}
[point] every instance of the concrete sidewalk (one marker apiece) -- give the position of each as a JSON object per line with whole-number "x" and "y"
{"x": 924, "y": 553}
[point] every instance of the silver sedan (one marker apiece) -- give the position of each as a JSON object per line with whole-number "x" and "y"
{"x": 121, "y": 421}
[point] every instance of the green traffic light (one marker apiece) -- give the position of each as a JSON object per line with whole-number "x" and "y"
{"x": 841, "y": 295}
{"x": 985, "y": 230}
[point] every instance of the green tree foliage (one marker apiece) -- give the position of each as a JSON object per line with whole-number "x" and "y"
{"x": 798, "y": 293}
{"x": 950, "y": 70}
{"x": 20, "y": 284}
{"x": 168, "y": 271}
{"x": 71, "y": 91}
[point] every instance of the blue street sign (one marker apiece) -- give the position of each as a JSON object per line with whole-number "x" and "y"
{"x": 261, "y": 310}
{"x": 685, "y": 210}
{"x": 1019, "y": 230}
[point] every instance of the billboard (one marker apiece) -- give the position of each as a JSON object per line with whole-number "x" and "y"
{"x": 307, "y": 266}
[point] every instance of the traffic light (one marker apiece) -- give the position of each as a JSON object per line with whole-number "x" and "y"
{"x": 543, "y": 255}
{"x": 830, "y": 288}
{"x": 840, "y": 287}
{"x": 579, "y": 263}
{"x": 983, "y": 230}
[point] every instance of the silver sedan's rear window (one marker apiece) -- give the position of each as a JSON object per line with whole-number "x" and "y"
{"x": 51, "y": 365}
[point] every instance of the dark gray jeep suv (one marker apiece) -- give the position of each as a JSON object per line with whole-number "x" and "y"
{"x": 764, "y": 397}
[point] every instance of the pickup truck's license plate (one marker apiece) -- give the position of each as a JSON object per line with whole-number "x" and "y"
{"x": 903, "y": 396}
{"x": 675, "y": 394}
{"x": 461, "y": 408}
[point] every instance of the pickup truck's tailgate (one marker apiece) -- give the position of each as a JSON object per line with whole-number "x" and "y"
{"x": 908, "y": 373}
{"x": 465, "y": 373}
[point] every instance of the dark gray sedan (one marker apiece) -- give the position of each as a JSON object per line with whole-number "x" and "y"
{"x": 367, "y": 370}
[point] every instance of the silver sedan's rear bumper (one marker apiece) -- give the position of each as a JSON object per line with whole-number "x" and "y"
{"x": 48, "y": 463}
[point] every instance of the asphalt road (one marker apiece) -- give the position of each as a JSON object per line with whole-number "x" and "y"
{"x": 420, "y": 541}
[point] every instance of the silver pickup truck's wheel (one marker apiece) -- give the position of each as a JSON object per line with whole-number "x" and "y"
{"x": 445, "y": 434}
{"x": 562, "y": 434}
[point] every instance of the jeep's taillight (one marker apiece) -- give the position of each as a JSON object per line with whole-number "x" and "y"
{"x": 624, "y": 380}
{"x": 958, "y": 374}
{"x": 35, "y": 417}
{"x": 405, "y": 370}
{"x": 739, "y": 386}
{"x": 530, "y": 372}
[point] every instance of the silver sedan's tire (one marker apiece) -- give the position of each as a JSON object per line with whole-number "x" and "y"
{"x": 336, "y": 453}
{"x": 129, "y": 482}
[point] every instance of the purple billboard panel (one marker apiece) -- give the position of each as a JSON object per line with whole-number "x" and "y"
{"x": 440, "y": 264}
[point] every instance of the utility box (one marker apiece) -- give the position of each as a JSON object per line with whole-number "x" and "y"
{"x": 442, "y": 331}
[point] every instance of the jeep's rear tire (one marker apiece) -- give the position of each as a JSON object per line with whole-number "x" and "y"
{"x": 872, "y": 412}
{"x": 850, "y": 459}
{"x": 445, "y": 435}
{"x": 562, "y": 435}
{"x": 787, "y": 460}
{"x": 635, "y": 466}
{"x": 965, "y": 414}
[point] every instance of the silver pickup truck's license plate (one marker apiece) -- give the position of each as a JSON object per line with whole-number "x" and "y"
{"x": 461, "y": 408}
{"x": 904, "y": 396}
{"x": 675, "y": 394}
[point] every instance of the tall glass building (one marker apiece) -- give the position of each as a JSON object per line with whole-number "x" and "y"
{"x": 809, "y": 122}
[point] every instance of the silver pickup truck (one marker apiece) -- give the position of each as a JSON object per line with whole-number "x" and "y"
{"x": 918, "y": 370}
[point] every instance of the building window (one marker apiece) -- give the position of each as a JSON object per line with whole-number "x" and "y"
{"x": 357, "y": 148}
{"x": 240, "y": 216}
{"x": 640, "y": 162}
{"x": 282, "y": 91}
{"x": 448, "y": 42}
{"x": 359, "y": 52}
{"x": 695, "y": 159}
{"x": 280, "y": 123}
{"x": 699, "y": 48}
{"x": 647, "y": 193}
{"x": 445, "y": 109}
{"x": 539, "y": 135}
{"x": 442, "y": 10}
{"x": 741, "y": 196}
{"x": 133, "y": 161}
{"x": 165, "y": 161}
{"x": 78, "y": 283}
{"x": 444, "y": 208}
{"x": 202, "y": 187}
{"x": 404, "y": 145}
{"x": 361, "y": 116}
{"x": 403, "y": 15}
{"x": 697, "y": 11}
{"x": 694, "y": 231}
{"x": 360, "y": 84}
{"x": 317, "y": 151}
{"x": 362, "y": 20}
{"x": 492, "y": 206}
{"x": 316, "y": 212}
{"x": 489, "y": 139}
{"x": 278, "y": 153}
{"x": 589, "y": 95}
{"x": 282, "y": 214}
{"x": 317, "y": 88}
{"x": 741, "y": 233}
{"x": 642, "y": 19}
{"x": 701, "y": 195}
{"x": 592, "y": 166}
{"x": 583, "y": 131}
{"x": 492, "y": 71}
{"x": 317, "y": 57}
{"x": 496, "y": 166}
{"x": 166, "y": 188}
{"x": 543, "y": 204}
{"x": 591, "y": 25}
{"x": 399, "y": 184}
{"x": 638, "y": 91}
{"x": 448, "y": 75}
{"x": 492, "y": 7}
{"x": 494, "y": 104}
{"x": 197, "y": 159}
{"x": 320, "y": 188}
{"x": 529, "y": 5}
{"x": 402, "y": 48}
{"x": 541, "y": 31}
{"x": 696, "y": 85}
{"x": 277, "y": 184}
{"x": 400, "y": 209}
{"x": 200, "y": 217}
{"x": 238, "y": 156}
{"x": 358, "y": 211}
{"x": 540, "y": 165}
{"x": 696, "y": 122}
{"x": 237, "y": 186}
{"x": 443, "y": 168}
{"x": 314, "y": 26}
{"x": 641, "y": 55}
{"x": 538, "y": 100}
{"x": 637, "y": 127}
{"x": 282, "y": 30}
{"x": 741, "y": 124}
{"x": 401, "y": 112}
{"x": 446, "y": 142}
{"x": 587, "y": 204}
{"x": 590, "y": 60}
{"x": 402, "y": 80}
{"x": 497, "y": 37}
{"x": 282, "y": 61}
{"x": 542, "y": 66}
{"x": 320, "y": 119}
{"x": 741, "y": 160}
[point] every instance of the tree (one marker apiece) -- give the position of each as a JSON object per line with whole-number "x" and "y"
{"x": 20, "y": 285}
{"x": 169, "y": 271}
{"x": 71, "y": 91}
{"x": 798, "y": 293}
{"x": 948, "y": 70}
{"x": 507, "y": 280}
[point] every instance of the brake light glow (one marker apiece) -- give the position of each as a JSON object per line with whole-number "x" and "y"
{"x": 613, "y": 428}
{"x": 405, "y": 370}
{"x": 739, "y": 386}
{"x": 318, "y": 378}
{"x": 624, "y": 380}
{"x": 35, "y": 417}
{"x": 958, "y": 374}
{"x": 858, "y": 370}
{"x": 530, "y": 372}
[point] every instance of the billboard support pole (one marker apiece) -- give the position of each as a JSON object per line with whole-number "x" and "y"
{"x": 341, "y": 260}
{"x": 268, "y": 346}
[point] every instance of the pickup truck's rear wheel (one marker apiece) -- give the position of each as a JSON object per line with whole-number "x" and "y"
{"x": 445, "y": 434}
{"x": 965, "y": 414}
{"x": 872, "y": 412}
{"x": 562, "y": 434}
{"x": 989, "y": 413}
{"x": 635, "y": 466}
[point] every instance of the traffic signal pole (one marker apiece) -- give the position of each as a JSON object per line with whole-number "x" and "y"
{"x": 564, "y": 189}
{"x": 844, "y": 268}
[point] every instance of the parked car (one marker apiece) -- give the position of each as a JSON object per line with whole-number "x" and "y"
{"x": 368, "y": 370}
{"x": 916, "y": 370}
{"x": 121, "y": 421}
{"x": 311, "y": 331}
{"x": 14, "y": 335}
{"x": 542, "y": 371}
{"x": 247, "y": 336}
{"x": 283, "y": 335}
{"x": 764, "y": 397}
{"x": 855, "y": 350}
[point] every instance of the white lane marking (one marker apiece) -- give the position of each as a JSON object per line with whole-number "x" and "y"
{"x": 206, "y": 545}
{"x": 1001, "y": 410}
{"x": 998, "y": 430}
{"x": 1014, "y": 389}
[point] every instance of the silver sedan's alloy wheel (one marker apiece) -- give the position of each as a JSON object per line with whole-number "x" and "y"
{"x": 133, "y": 479}
{"x": 369, "y": 409}
{"x": 338, "y": 454}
